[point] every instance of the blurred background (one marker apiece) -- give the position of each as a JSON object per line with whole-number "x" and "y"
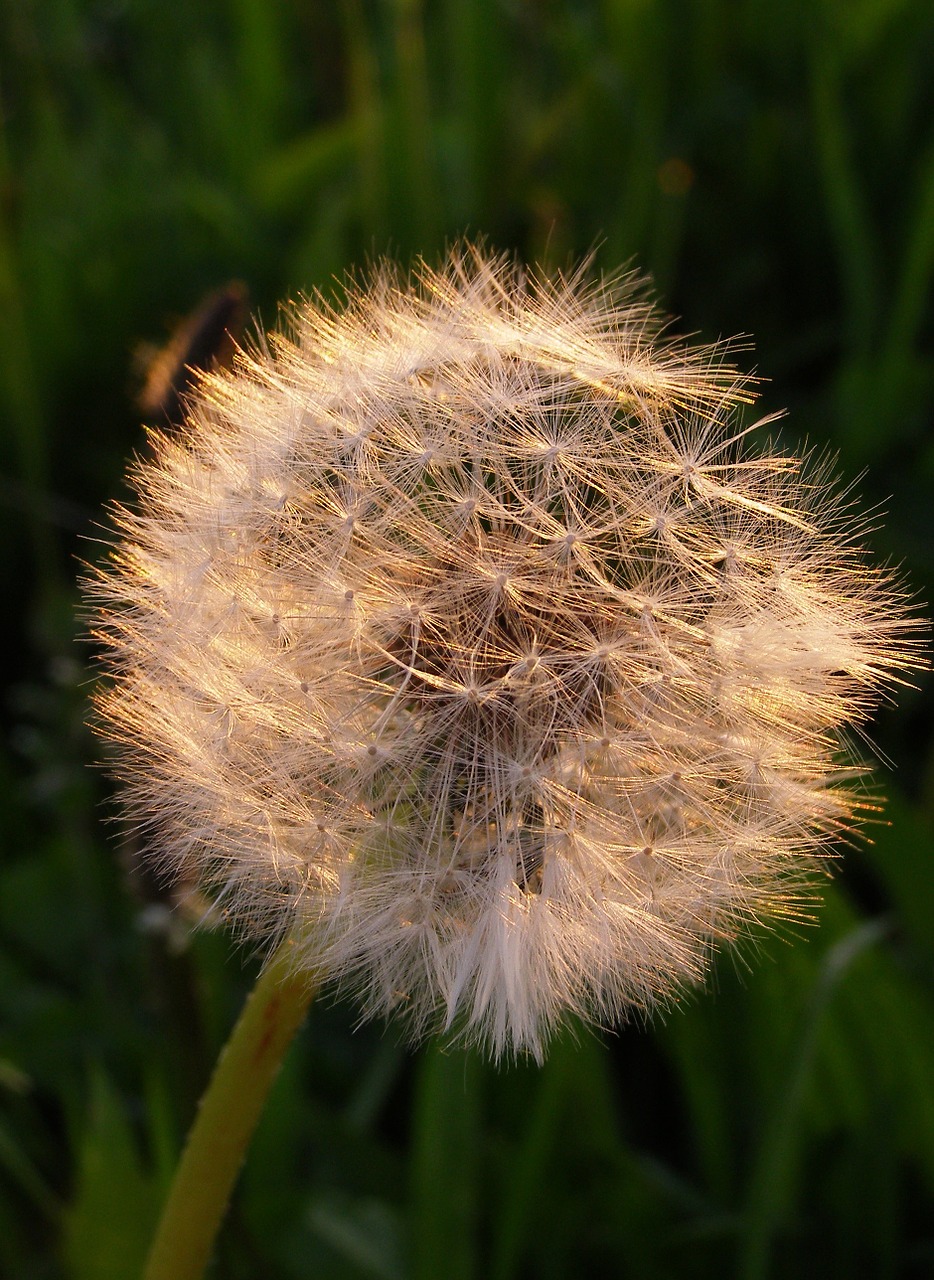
{"x": 772, "y": 166}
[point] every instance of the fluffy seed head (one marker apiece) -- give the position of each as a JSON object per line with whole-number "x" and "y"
{"x": 459, "y": 636}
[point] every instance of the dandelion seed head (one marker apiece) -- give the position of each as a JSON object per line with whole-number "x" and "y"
{"x": 461, "y": 636}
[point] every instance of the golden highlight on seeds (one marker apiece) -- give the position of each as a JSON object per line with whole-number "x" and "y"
{"x": 460, "y": 636}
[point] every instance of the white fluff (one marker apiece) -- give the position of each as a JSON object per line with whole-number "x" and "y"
{"x": 459, "y": 637}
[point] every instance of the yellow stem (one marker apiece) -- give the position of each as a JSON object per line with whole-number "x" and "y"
{"x": 226, "y": 1119}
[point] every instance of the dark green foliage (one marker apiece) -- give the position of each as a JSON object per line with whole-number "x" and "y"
{"x": 772, "y": 164}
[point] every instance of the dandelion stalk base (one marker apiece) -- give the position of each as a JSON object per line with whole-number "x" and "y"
{"x": 226, "y": 1119}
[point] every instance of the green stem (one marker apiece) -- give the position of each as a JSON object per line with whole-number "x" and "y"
{"x": 226, "y": 1118}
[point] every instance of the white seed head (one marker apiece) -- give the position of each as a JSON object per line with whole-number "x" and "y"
{"x": 459, "y": 636}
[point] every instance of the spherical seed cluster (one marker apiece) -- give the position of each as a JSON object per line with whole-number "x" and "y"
{"x": 459, "y": 636}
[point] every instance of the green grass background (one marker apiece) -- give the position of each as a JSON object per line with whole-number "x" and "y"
{"x": 771, "y": 163}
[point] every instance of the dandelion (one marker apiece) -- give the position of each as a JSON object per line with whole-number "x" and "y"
{"x": 460, "y": 638}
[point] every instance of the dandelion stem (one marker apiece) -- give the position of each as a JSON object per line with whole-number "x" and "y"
{"x": 227, "y": 1116}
